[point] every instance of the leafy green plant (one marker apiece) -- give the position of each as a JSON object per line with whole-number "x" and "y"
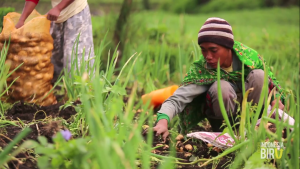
{"x": 4, "y": 74}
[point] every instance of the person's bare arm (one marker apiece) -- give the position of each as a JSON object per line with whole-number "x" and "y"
{"x": 53, "y": 14}
{"x": 28, "y": 8}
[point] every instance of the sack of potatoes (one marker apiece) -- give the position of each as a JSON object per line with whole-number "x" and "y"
{"x": 31, "y": 45}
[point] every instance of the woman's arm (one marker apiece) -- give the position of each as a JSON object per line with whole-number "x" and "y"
{"x": 28, "y": 8}
{"x": 181, "y": 97}
{"x": 174, "y": 105}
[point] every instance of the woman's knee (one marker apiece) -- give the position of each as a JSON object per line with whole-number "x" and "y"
{"x": 256, "y": 75}
{"x": 226, "y": 88}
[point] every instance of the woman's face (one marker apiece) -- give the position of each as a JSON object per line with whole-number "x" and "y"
{"x": 213, "y": 52}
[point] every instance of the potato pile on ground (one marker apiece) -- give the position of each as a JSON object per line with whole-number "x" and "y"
{"x": 31, "y": 45}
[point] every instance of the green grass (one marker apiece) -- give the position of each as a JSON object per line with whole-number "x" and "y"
{"x": 272, "y": 32}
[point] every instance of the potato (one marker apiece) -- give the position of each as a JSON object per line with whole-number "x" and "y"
{"x": 38, "y": 56}
{"x": 32, "y": 73}
{"x": 22, "y": 53}
{"x": 37, "y": 67}
{"x": 42, "y": 65}
{"x": 46, "y": 57}
{"x": 30, "y": 61}
{"x": 48, "y": 77}
{"x": 39, "y": 76}
{"x": 23, "y": 40}
{"x": 22, "y": 74}
{"x": 48, "y": 62}
{"x": 45, "y": 69}
{"x": 28, "y": 50}
{"x": 27, "y": 68}
{"x": 15, "y": 47}
{"x": 49, "y": 46}
{"x": 180, "y": 149}
{"x": 32, "y": 44}
{"x": 44, "y": 50}
{"x": 209, "y": 145}
{"x": 187, "y": 154}
{"x": 16, "y": 58}
{"x": 179, "y": 137}
{"x": 27, "y": 86}
{"x": 37, "y": 49}
{"x": 188, "y": 147}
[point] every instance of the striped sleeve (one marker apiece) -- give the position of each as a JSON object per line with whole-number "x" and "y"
{"x": 34, "y": 1}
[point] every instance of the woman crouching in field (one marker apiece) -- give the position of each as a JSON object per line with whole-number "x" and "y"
{"x": 197, "y": 98}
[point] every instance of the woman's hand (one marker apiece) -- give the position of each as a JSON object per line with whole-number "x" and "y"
{"x": 53, "y": 14}
{"x": 280, "y": 105}
{"x": 161, "y": 128}
{"x": 19, "y": 24}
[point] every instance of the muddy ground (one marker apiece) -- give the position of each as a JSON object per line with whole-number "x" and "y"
{"x": 30, "y": 113}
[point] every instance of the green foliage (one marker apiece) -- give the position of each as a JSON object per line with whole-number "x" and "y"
{"x": 212, "y": 6}
{"x": 221, "y": 5}
{"x": 58, "y": 154}
{"x": 255, "y": 161}
{"x": 4, "y": 74}
{"x": 3, "y": 12}
{"x": 186, "y": 6}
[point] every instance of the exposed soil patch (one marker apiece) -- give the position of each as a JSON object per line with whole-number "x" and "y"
{"x": 29, "y": 112}
{"x": 25, "y": 162}
{"x": 190, "y": 150}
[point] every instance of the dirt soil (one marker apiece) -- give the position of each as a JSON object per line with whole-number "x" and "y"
{"x": 190, "y": 150}
{"x": 30, "y": 113}
{"x": 187, "y": 150}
